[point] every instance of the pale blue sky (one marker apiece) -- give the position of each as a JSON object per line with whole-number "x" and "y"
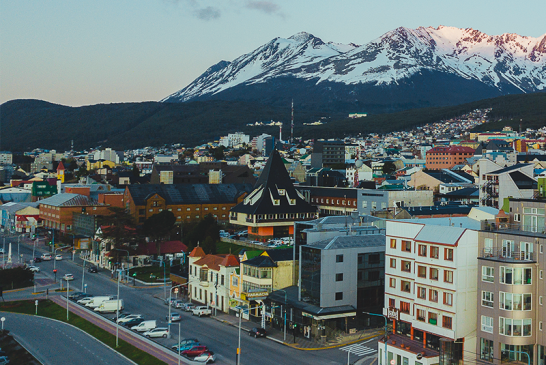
{"x": 77, "y": 52}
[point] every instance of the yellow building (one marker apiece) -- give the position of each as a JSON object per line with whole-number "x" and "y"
{"x": 99, "y": 164}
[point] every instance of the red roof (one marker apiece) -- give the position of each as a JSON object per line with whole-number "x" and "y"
{"x": 197, "y": 252}
{"x": 61, "y": 166}
{"x": 450, "y": 149}
{"x": 215, "y": 261}
{"x": 166, "y": 247}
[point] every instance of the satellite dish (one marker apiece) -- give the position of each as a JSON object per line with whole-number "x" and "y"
{"x": 419, "y": 356}
{"x": 359, "y": 164}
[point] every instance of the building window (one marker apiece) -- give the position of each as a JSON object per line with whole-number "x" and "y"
{"x": 448, "y": 254}
{"x": 421, "y": 292}
{"x": 434, "y": 252}
{"x": 486, "y": 350}
{"x": 515, "y": 327}
{"x": 517, "y": 217}
{"x": 404, "y": 307}
{"x": 433, "y": 274}
{"x": 448, "y": 276}
{"x": 432, "y": 318}
{"x": 517, "y": 276}
{"x": 488, "y": 274}
{"x": 393, "y": 243}
{"x": 433, "y": 295}
{"x": 339, "y": 277}
{"x": 392, "y": 303}
{"x": 421, "y": 315}
{"x": 517, "y": 302}
{"x": 393, "y": 263}
{"x": 374, "y": 259}
{"x": 392, "y": 282}
{"x": 447, "y": 322}
{"x": 423, "y": 250}
{"x": 373, "y": 275}
{"x": 406, "y": 266}
{"x": 487, "y": 324}
{"x": 339, "y": 258}
{"x": 405, "y": 286}
{"x": 422, "y": 271}
{"x": 406, "y": 246}
{"x": 448, "y": 299}
{"x": 488, "y": 299}
{"x": 339, "y": 295}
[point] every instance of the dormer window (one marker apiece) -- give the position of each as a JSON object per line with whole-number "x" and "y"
{"x": 276, "y": 202}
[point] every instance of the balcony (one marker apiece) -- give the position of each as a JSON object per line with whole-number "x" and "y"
{"x": 502, "y": 254}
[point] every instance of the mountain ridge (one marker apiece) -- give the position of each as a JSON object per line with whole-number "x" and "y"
{"x": 489, "y": 65}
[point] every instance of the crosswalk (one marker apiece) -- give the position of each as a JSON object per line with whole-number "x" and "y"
{"x": 359, "y": 349}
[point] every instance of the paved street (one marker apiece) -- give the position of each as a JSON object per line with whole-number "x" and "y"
{"x": 219, "y": 337}
{"x": 57, "y": 343}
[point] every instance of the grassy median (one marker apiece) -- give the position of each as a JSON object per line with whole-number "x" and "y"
{"x": 47, "y": 308}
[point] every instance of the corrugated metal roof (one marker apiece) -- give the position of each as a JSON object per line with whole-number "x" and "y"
{"x": 339, "y": 242}
{"x": 65, "y": 199}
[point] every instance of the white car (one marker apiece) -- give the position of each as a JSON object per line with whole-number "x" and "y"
{"x": 58, "y": 257}
{"x": 85, "y": 300}
{"x": 157, "y": 332}
{"x": 34, "y": 268}
{"x": 46, "y": 257}
{"x": 68, "y": 277}
{"x": 128, "y": 318}
{"x": 206, "y": 357}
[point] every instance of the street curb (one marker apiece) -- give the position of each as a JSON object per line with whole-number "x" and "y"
{"x": 16, "y": 290}
{"x": 333, "y": 346}
{"x": 294, "y": 346}
{"x": 79, "y": 329}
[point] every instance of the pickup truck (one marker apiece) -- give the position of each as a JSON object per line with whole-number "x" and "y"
{"x": 201, "y": 311}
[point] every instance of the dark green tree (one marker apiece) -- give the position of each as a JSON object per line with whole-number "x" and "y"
{"x": 158, "y": 227}
{"x": 118, "y": 228}
{"x": 136, "y": 171}
{"x": 209, "y": 246}
{"x": 389, "y": 168}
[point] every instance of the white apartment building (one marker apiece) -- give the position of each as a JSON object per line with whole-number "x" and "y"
{"x": 209, "y": 278}
{"x": 430, "y": 289}
{"x": 234, "y": 139}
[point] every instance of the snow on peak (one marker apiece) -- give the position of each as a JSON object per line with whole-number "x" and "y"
{"x": 302, "y": 37}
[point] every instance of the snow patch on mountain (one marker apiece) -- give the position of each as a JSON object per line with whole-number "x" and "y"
{"x": 497, "y": 61}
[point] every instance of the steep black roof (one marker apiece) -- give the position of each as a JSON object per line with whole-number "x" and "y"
{"x": 274, "y": 192}
{"x": 260, "y": 261}
{"x": 523, "y": 181}
{"x": 189, "y": 193}
{"x": 281, "y": 254}
{"x": 509, "y": 168}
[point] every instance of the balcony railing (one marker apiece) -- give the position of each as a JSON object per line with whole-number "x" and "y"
{"x": 506, "y": 254}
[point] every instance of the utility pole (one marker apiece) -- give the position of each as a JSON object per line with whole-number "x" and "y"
{"x": 292, "y": 125}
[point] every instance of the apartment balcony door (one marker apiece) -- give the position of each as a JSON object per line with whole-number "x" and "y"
{"x": 526, "y": 251}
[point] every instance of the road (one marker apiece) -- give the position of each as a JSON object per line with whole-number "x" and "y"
{"x": 219, "y": 337}
{"x": 56, "y": 343}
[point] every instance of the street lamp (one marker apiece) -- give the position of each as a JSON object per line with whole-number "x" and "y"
{"x": 239, "y": 343}
{"x": 170, "y": 299}
{"x": 285, "y": 304}
{"x": 117, "y": 311}
{"x": 386, "y": 322}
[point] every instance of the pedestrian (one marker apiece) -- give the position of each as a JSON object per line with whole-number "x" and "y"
{"x": 112, "y": 273}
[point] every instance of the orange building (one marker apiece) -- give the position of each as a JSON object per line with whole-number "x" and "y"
{"x": 271, "y": 209}
{"x": 57, "y": 211}
{"x": 445, "y": 157}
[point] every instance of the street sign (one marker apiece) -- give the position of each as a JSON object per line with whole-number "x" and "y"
{"x": 36, "y": 302}
{"x": 176, "y": 290}
{"x": 85, "y": 285}
{"x": 393, "y": 362}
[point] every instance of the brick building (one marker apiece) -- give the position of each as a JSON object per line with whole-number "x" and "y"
{"x": 445, "y": 157}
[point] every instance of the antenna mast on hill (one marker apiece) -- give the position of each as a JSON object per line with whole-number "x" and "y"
{"x": 280, "y": 132}
{"x": 292, "y": 125}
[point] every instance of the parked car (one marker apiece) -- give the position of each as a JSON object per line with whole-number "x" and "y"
{"x": 206, "y": 357}
{"x": 46, "y": 257}
{"x": 128, "y": 318}
{"x": 4, "y": 360}
{"x": 77, "y": 294}
{"x": 97, "y": 301}
{"x": 110, "y": 306}
{"x": 84, "y": 300}
{"x": 58, "y": 257}
{"x": 37, "y": 259}
{"x": 257, "y": 332}
{"x": 1, "y": 251}
{"x": 68, "y": 277}
{"x": 157, "y": 332}
{"x": 169, "y": 301}
{"x": 33, "y": 268}
{"x": 188, "y": 307}
{"x": 177, "y": 304}
{"x": 175, "y": 317}
{"x": 93, "y": 269}
{"x": 194, "y": 351}
{"x": 186, "y": 344}
{"x": 133, "y": 322}
{"x": 201, "y": 310}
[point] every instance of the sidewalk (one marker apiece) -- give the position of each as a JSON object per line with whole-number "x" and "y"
{"x": 300, "y": 343}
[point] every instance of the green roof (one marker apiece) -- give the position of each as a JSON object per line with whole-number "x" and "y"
{"x": 252, "y": 254}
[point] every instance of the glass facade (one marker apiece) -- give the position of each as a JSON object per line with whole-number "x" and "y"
{"x": 310, "y": 274}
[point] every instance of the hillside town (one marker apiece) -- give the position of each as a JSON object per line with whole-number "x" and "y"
{"x": 434, "y": 236}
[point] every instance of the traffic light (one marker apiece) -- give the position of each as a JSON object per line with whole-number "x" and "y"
{"x": 134, "y": 274}
{"x": 54, "y": 271}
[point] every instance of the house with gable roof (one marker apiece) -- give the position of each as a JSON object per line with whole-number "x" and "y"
{"x": 271, "y": 209}
{"x": 209, "y": 278}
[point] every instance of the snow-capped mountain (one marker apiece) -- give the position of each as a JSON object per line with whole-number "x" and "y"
{"x": 456, "y": 64}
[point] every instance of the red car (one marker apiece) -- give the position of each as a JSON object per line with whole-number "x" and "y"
{"x": 195, "y": 351}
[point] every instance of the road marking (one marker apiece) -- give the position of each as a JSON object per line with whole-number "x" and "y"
{"x": 358, "y": 349}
